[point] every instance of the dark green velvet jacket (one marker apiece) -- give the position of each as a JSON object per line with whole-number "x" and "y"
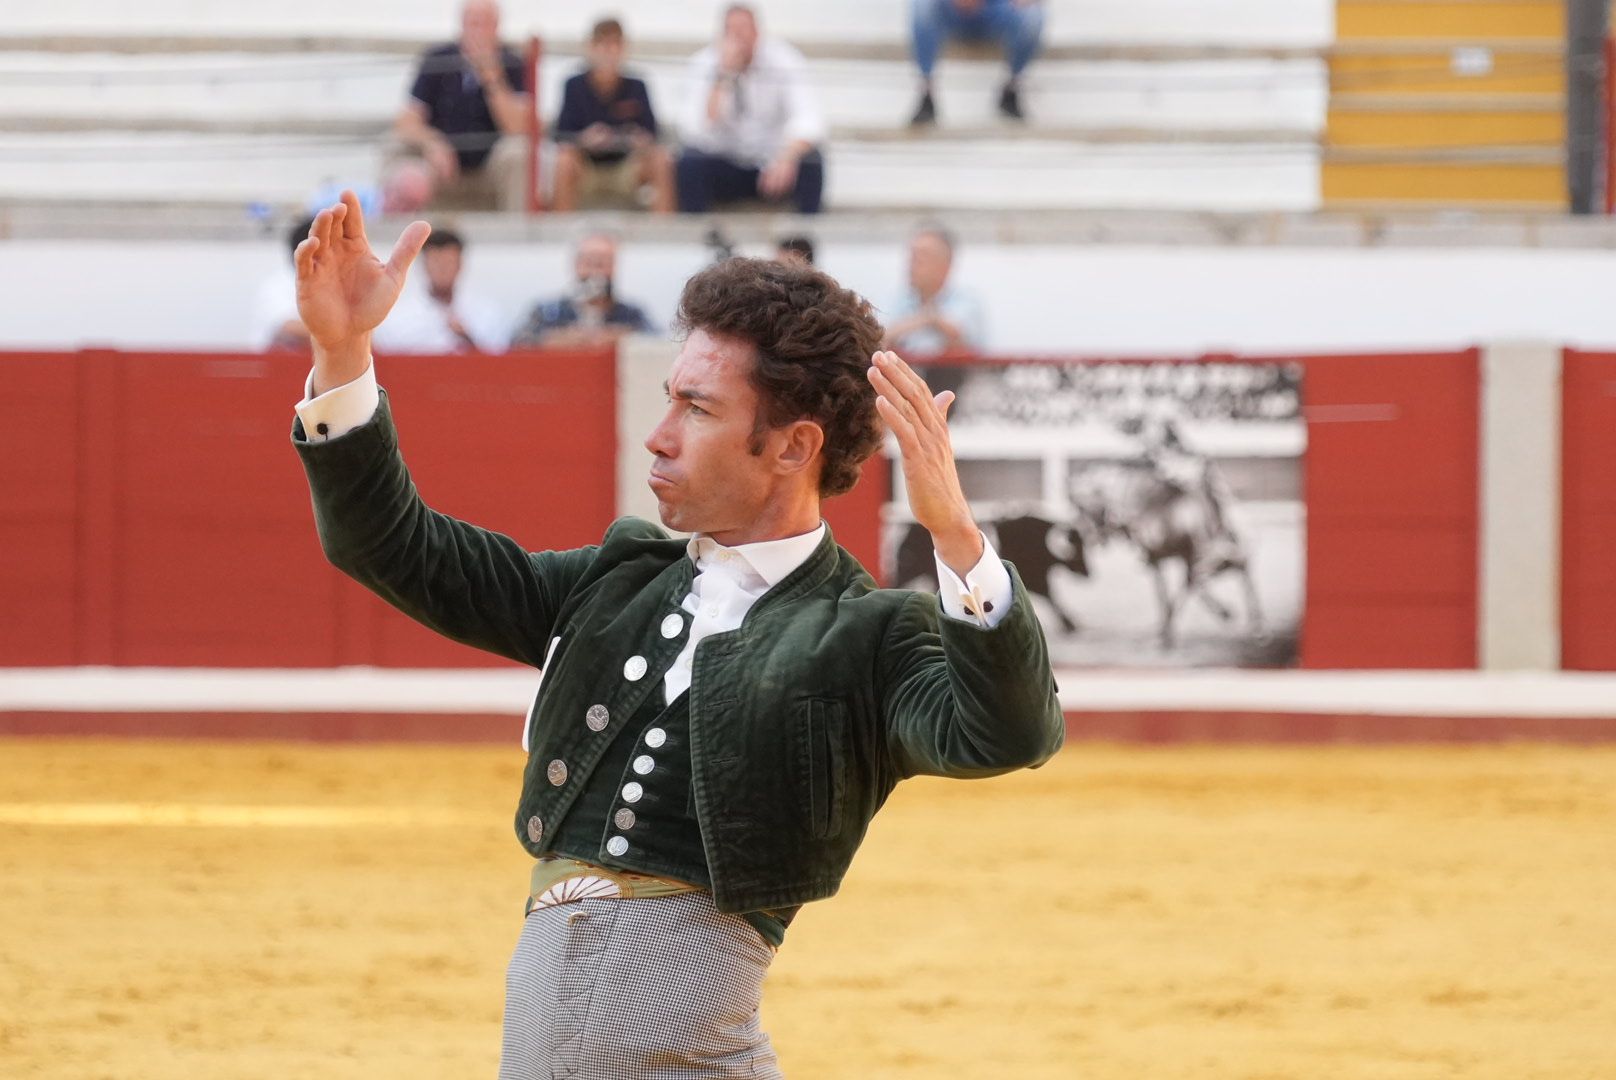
{"x": 801, "y": 721}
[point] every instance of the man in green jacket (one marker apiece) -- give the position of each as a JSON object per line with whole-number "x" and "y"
{"x": 721, "y": 716}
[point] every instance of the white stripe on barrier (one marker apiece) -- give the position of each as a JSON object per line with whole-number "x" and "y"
{"x": 376, "y": 690}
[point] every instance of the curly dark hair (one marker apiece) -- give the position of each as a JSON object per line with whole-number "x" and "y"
{"x": 814, "y": 340}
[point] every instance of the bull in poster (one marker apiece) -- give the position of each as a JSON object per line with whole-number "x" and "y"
{"x": 1154, "y": 509}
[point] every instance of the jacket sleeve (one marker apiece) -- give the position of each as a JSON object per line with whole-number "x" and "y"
{"x": 475, "y": 586}
{"x": 960, "y": 700}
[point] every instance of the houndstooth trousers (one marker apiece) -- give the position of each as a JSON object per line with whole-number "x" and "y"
{"x": 657, "y": 988}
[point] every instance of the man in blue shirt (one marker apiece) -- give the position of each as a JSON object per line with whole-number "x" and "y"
{"x": 934, "y": 316}
{"x": 467, "y": 116}
{"x": 607, "y": 132}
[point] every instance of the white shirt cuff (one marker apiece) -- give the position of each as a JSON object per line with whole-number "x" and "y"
{"x": 340, "y": 409}
{"x": 984, "y": 597}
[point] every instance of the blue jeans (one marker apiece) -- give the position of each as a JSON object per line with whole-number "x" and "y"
{"x": 1019, "y": 29}
{"x": 704, "y": 179}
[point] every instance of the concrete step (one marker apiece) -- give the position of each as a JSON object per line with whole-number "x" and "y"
{"x": 266, "y": 88}
{"x": 940, "y": 173}
{"x": 889, "y": 49}
{"x": 839, "y": 22}
{"x": 958, "y": 136}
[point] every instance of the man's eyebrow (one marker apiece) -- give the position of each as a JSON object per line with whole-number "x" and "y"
{"x": 687, "y": 393}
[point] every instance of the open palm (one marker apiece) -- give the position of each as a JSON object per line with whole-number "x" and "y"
{"x": 343, "y": 290}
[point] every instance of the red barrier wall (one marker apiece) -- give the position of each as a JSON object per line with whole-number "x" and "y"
{"x": 1393, "y": 495}
{"x": 1588, "y": 512}
{"x": 156, "y": 514}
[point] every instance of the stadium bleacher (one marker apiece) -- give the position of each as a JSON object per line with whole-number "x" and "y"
{"x": 1151, "y": 104}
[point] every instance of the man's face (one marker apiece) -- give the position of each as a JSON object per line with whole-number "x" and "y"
{"x": 442, "y": 265}
{"x": 929, "y": 263}
{"x": 741, "y": 27}
{"x": 596, "y": 258}
{"x": 479, "y": 23}
{"x": 705, "y": 477}
{"x": 606, "y": 54}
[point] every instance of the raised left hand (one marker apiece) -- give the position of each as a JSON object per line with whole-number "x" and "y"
{"x": 919, "y": 421}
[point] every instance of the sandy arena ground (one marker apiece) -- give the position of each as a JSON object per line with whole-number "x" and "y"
{"x": 255, "y": 910}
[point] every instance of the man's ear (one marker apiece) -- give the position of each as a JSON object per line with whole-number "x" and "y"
{"x": 800, "y": 443}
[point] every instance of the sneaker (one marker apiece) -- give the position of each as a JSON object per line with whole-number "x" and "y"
{"x": 925, "y": 112}
{"x": 1010, "y": 103}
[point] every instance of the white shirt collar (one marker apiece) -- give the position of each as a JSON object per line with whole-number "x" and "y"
{"x": 773, "y": 560}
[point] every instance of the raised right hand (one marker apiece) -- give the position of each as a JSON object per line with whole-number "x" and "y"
{"x": 344, "y": 291}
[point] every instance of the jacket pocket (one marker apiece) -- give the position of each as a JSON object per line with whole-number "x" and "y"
{"x": 826, "y": 760}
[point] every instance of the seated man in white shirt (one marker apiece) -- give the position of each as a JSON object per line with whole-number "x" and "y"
{"x": 275, "y": 325}
{"x": 435, "y": 314}
{"x": 751, "y": 125}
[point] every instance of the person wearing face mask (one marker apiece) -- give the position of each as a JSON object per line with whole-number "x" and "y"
{"x": 752, "y": 125}
{"x": 591, "y": 313}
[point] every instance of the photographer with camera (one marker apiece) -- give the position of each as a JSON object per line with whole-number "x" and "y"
{"x": 591, "y": 313}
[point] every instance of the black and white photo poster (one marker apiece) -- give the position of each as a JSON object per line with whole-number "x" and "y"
{"x": 1154, "y": 509}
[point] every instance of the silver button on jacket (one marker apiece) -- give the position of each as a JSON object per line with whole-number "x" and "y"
{"x": 655, "y": 737}
{"x": 597, "y": 717}
{"x": 634, "y": 670}
{"x": 672, "y": 625}
{"x": 535, "y": 828}
{"x": 632, "y": 792}
{"x": 557, "y": 772}
{"x": 623, "y": 819}
{"x": 644, "y": 764}
{"x": 617, "y": 845}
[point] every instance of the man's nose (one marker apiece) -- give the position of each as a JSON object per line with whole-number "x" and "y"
{"x": 659, "y": 442}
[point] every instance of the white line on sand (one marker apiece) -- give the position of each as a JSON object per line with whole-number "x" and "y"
{"x": 509, "y": 691}
{"x": 185, "y": 815}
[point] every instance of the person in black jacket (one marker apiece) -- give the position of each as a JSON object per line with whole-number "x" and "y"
{"x": 607, "y": 132}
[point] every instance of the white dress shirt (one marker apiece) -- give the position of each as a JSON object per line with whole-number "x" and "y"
{"x": 728, "y": 580}
{"x": 274, "y": 305}
{"x": 770, "y": 105}
{"x": 419, "y": 323}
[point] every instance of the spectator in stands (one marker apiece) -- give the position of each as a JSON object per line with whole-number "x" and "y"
{"x": 797, "y": 249}
{"x": 607, "y": 131}
{"x": 935, "y": 316}
{"x": 1017, "y": 24}
{"x": 591, "y": 313}
{"x": 467, "y": 116}
{"x": 405, "y": 188}
{"x": 434, "y": 313}
{"x": 751, "y": 126}
{"x": 275, "y": 325}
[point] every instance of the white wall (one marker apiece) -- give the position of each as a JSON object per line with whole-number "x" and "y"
{"x": 1111, "y": 299}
